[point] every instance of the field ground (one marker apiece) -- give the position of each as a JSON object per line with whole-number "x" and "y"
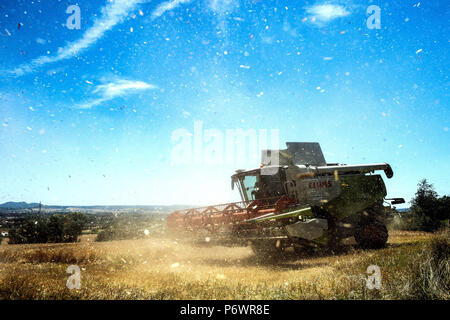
{"x": 162, "y": 268}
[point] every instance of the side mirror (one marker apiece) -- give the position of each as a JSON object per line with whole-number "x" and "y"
{"x": 389, "y": 173}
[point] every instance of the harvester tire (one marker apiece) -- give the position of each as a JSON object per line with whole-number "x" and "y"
{"x": 371, "y": 232}
{"x": 333, "y": 235}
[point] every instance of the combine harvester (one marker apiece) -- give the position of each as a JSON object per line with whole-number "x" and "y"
{"x": 297, "y": 201}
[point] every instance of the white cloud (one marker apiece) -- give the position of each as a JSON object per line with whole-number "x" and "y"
{"x": 326, "y": 12}
{"x": 222, "y": 6}
{"x": 167, "y": 6}
{"x": 115, "y": 89}
{"x": 41, "y": 41}
{"x": 112, "y": 14}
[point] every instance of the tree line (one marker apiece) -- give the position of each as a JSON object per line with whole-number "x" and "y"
{"x": 53, "y": 228}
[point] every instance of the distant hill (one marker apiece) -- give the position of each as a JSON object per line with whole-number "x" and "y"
{"x": 11, "y": 205}
{"x": 19, "y": 205}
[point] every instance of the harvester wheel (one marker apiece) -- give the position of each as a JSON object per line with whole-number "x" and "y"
{"x": 372, "y": 236}
{"x": 334, "y": 240}
{"x": 371, "y": 232}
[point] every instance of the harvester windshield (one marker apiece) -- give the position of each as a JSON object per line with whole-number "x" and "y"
{"x": 253, "y": 185}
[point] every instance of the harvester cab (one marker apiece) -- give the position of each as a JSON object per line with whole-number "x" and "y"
{"x": 296, "y": 199}
{"x": 253, "y": 185}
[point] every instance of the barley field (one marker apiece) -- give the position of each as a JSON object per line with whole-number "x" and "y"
{"x": 166, "y": 268}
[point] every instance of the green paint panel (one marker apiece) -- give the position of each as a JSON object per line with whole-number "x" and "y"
{"x": 357, "y": 193}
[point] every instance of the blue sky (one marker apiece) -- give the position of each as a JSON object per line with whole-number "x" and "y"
{"x": 87, "y": 115}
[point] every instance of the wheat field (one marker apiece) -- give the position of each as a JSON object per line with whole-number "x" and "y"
{"x": 166, "y": 268}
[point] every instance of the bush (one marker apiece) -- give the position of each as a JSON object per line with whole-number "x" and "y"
{"x": 132, "y": 226}
{"x": 120, "y": 232}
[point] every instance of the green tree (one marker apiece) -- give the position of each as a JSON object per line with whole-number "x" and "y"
{"x": 444, "y": 208}
{"x": 54, "y": 228}
{"x": 29, "y": 230}
{"x": 55, "y": 225}
{"x": 427, "y": 208}
{"x": 73, "y": 226}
